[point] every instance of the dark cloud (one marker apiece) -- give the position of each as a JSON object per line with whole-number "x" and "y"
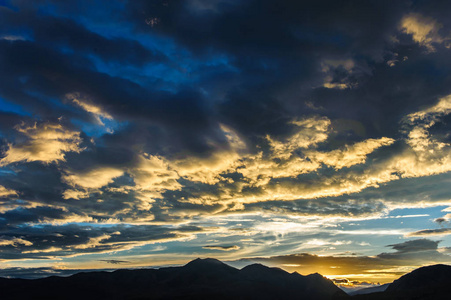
{"x": 280, "y": 37}
{"x": 342, "y": 206}
{"x": 426, "y": 232}
{"x": 44, "y": 241}
{"x": 114, "y": 261}
{"x": 440, "y": 221}
{"x": 415, "y": 246}
{"x": 222, "y": 248}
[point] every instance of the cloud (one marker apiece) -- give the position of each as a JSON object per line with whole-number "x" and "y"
{"x": 152, "y": 176}
{"x": 270, "y": 175}
{"x": 429, "y": 232}
{"x": 338, "y": 73}
{"x": 283, "y": 161}
{"x": 415, "y": 246}
{"x": 89, "y": 107}
{"x": 114, "y": 261}
{"x": 40, "y": 214}
{"x": 443, "y": 220}
{"x": 429, "y": 116}
{"x": 94, "y": 242}
{"x": 351, "y": 155}
{"x": 75, "y": 194}
{"x": 440, "y": 220}
{"x": 4, "y": 192}
{"x": 222, "y": 248}
{"x": 309, "y": 132}
{"x": 208, "y": 169}
{"x": 424, "y": 30}
{"x": 425, "y": 156}
{"x": 71, "y": 240}
{"x": 44, "y": 142}
{"x": 384, "y": 267}
{"x": 428, "y": 155}
{"x": 15, "y": 242}
{"x": 91, "y": 179}
{"x": 12, "y": 37}
{"x": 352, "y": 285}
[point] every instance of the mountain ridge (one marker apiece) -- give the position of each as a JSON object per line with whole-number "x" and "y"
{"x": 212, "y": 279}
{"x": 198, "y": 279}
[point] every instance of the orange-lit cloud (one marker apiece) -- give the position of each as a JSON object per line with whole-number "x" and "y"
{"x": 4, "y": 192}
{"x": 351, "y": 154}
{"x": 92, "y": 179}
{"x": 44, "y": 142}
{"x": 15, "y": 242}
{"x": 424, "y": 30}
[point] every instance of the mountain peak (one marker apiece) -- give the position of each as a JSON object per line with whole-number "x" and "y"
{"x": 205, "y": 262}
{"x": 254, "y": 267}
{"x": 208, "y": 265}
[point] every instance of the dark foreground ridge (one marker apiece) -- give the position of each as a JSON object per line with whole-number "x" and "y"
{"x": 429, "y": 283}
{"x": 199, "y": 279}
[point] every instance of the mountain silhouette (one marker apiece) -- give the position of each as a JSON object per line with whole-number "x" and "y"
{"x": 199, "y": 279}
{"x": 425, "y": 277}
{"x": 431, "y": 282}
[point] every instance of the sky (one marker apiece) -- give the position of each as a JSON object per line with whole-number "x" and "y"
{"x": 313, "y": 136}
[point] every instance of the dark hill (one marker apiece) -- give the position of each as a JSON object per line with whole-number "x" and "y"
{"x": 432, "y": 282}
{"x": 425, "y": 277}
{"x": 199, "y": 279}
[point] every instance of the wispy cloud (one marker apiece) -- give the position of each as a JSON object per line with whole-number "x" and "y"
{"x": 114, "y": 261}
{"x": 429, "y": 232}
{"x": 222, "y": 248}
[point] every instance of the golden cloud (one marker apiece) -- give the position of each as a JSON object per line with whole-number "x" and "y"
{"x": 87, "y": 105}
{"x": 15, "y": 242}
{"x": 351, "y": 154}
{"x": 424, "y": 31}
{"x": 45, "y": 142}
{"x": 94, "y": 242}
{"x": 91, "y": 179}
{"x": 310, "y": 132}
{"x": 424, "y": 155}
{"x": 4, "y": 192}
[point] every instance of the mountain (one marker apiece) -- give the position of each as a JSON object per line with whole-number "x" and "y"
{"x": 432, "y": 282}
{"x": 199, "y": 279}
{"x": 426, "y": 277}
